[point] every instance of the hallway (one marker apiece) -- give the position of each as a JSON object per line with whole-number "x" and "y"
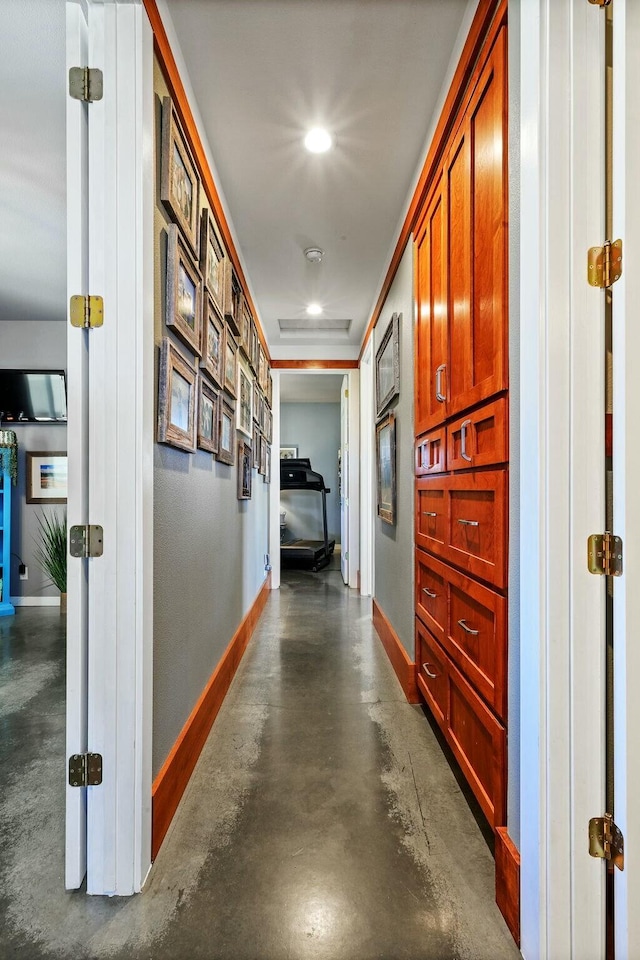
{"x": 322, "y": 820}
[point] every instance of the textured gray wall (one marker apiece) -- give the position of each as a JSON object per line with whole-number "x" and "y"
{"x": 209, "y": 552}
{"x": 315, "y": 429}
{"x": 38, "y": 344}
{"x": 394, "y": 545}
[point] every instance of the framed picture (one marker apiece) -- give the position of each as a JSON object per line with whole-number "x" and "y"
{"x": 212, "y": 343}
{"x": 179, "y": 183}
{"x": 257, "y": 397}
{"x": 184, "y": 291}
{"x": 262, "y": 469}
{"x": 46, "y": 476}
{"x": 232, "y": 296}
{"x": 388, "y": 366}
{"x": 267, "y": 472}
{"x": 246, "y": 322}
{"x": 255, "y": 448}
{"x": 288, "y": 453}
{"x": 230, "y": 363}
{"x": 263, "y": 372}
{"x": 176, "y": 399}
{"x": 244, "y": 471}
{"x": 244, "y": 414}
{"x": 268, "y": 423}
{"x": 212, "y": 260}
{"x": 226, "y": 433}
{"x": 386, "y": 468}
{"x": 208, "y": 417}
{"x": 269, "y": 393}
{"x": 254, "y": 349}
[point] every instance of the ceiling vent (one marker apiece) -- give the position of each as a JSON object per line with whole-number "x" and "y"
{"x": 314, "y": 254}
{"x": 314, "y": 325}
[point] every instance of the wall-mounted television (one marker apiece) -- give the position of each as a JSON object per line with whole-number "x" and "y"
{"x": 33, "y": 396}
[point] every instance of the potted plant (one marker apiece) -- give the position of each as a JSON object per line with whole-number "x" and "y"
{"x": 51, "y": 552}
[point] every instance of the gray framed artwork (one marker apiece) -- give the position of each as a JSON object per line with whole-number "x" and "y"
{"x": 388, "y": 366}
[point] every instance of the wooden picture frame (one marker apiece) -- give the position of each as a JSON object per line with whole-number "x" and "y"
{"x": 177, "y": 400}
{"x": 386, "y": 468}
{"x": 257, "y": 397}
{"x": 268, "y": 423}
{"x": 212, "y": 343}
{"x": 387, "y": 368}
{"x": 208, "y": 417}
{"x": 46, "y": 476}
{"x": 269, "y": 393}
{"x": 244, "y": 405}
{"x": 262, "y": 469}
{"x": 183, "y": 309}
{"x": 179, "y": 181}
{"x": 232, "y": 296}
{"x": 212, "y": 257}
{"x": 254, "y": 350}
{"x": 226, "y": 432}
{"x": 246, "y": 321}
{"x": 230, "y": 364}
{"x": 267, "y": 473}
{"x": 263, "y": 371}
{"x": 288, "y": 453}
{"x": 244, "y": 470}
{"x": 255, "y": 448}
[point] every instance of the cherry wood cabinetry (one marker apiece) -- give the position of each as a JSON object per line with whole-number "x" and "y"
{"x": 479, "y": 438}
{"x": 431, "y": 453}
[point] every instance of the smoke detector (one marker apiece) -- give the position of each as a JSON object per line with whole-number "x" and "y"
{"x": 314, "y": 254}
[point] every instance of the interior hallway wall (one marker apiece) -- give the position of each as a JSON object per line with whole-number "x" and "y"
{"x": 315, "y": 429}
{"x": 394, "y": 545}
{"x": 209, "y": 547}
{"x": 32, "y": 344}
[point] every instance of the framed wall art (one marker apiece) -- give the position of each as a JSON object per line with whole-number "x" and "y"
{"x": 254, "y": 350}
{"x": 244, "y": 413}
{"x": 212, "y": 260}
{"x": 269, "y": 393}
{"x": 257, "y": 398}
{"x": 388, "y": 366}
{"x": 386, "y": 468}
{"x": 46, "y": 476}
{"x": 262, "y": 469}
{"x": 230, "y": 363}
{"x": 244, "y": 470}
{"x": 255, "y": 448}
{"x": 208, "y": 417}
{"x": 179, "y": 183}
{"x": 226, "y": 432}
{"x": 268, "y": 424}
{"x": 212, "y": 343}
{"x": 177, "y": 399}
{"x": 288, "y": 453}
{"x": 232, "y": 296}
{"x": 267, "y": 472}
{"x": 246, "y": 322}
{"x": 184, "y": 291}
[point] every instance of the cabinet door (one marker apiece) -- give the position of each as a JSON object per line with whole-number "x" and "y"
{"x": 432, "y": 674}
{"x": 431, "y": 594}
{"x": 431, "y": 332}
{"x": 476, "y": 185}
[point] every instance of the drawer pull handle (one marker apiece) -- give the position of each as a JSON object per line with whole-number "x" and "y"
{"x": 463, "y": 440}
{"x": 429, "y": 513}
{"x": 440, "y": 397}
{"x": 425, "y": 667}
{"x": 470, "y": 523}
{"x": 429, "y": 593}
{"x": 463, "y": 624}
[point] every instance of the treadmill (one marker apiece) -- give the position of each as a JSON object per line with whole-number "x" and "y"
{"x": 298, "y": 475}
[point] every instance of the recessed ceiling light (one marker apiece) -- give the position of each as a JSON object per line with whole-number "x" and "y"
{"x": 318, "y": 140}
{"x": 314, "y": 309}
{"x": 314, "y": 254}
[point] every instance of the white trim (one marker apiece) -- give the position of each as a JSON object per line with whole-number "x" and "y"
{"x": 354, "y": 477}
{"x": 274, "y": 493}
{"x": 367, "y": 472}
{"x": 35, "y": 601}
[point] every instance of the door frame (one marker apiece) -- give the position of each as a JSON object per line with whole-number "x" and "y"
{"x": 367, "y": 472}
{"x": 562, "y": 607}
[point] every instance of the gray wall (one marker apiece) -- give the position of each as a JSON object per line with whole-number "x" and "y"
{"x": 37, "y": 344}
{"x": 394, "y": 545}
{"x": 315, "y": 429}
{"x": 209, "y": 550}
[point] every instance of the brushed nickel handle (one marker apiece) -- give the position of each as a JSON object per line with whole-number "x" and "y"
{"x": 470, "y": 523}
{"x": 463, "y": 624}
{"x": 429, "y": 593}
{"x": 429, "y": 513}
{"x": 463, "y": 440}
{"x": 425, "y": 667}
{"x": 439, "y": 394}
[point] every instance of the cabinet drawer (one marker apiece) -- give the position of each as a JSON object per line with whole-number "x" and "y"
{"x": 478, "y": 741}
{"x": 470, "y": 621}
{"x": 463, "y": 519}
{"x": 478, "y": 439}
{"x": 430, "y": 453}
{"x": 431, "y": 667}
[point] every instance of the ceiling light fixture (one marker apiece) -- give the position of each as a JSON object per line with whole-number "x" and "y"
{"x": 314, "y": 309}
{"x": 314, "y": 254}
{"x": 318, "y": 140}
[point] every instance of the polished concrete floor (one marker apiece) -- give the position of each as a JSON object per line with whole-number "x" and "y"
{"x": 323, "y": 821}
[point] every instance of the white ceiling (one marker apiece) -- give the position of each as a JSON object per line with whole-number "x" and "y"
{"x": 263, "y": 72}
{"x": 310, "y": 387}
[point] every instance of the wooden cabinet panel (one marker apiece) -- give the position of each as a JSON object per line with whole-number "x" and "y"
{"x": 432, "y": 594}
{"x": 478, "y": 439}
{"x": 431, "y": 333}
{"x": 432, "y": 674}
{"x": 430, "y": 452}
{"x": 463, "y": 519}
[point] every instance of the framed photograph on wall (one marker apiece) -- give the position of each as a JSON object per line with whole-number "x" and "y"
{"x": 244, "y": 470}
{"x": 257, "y": 397}
{"x": 46, "y": 476}
{"x": 255, "y": 448}
{"x": 230, "y": 363}
{"x": 262, "y": 469}
{"x": 244, "y": 412}
{"x": 254, "y": 351}
{"x": 232, "y": 296}
{"x": 208, "y": 417}
{"x": 267, "y": 473}
{"x": 386, "y": 468}
{"x": 212, "y": 343}
{"x": 179, "y": 182}
{"x": 212, "y": 260}
{"x": 176, "y": 399}
{"x": 388, "y": 366}
{"x": 183, "y": 312}
{"x": 288, "y": 453}
{"x": 226, "y": 432}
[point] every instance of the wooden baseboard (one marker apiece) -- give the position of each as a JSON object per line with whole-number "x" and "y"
{"x": 508, "y": 881}
{"x": 173, "y": 778}
{"x": 404, "y": 667}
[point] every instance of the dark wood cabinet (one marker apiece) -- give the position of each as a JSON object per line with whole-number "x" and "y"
{"x": 479, "y": 438}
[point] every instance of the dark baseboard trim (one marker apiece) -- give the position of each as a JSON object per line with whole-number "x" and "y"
{"x": 404, "y": 667}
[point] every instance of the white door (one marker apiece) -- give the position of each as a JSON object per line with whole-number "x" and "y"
{"x": 344, "y": 481}
{"x": 77, "y": 447}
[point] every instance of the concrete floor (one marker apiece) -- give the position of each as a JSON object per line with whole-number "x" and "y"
{"x": 323, "y": 821}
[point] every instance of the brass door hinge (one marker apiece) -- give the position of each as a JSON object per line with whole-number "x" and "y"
{"x": 600, "y": 3}
{"x": 604, "y": 264}
{"x": 606, "y": 840}
{"x": 604, "y": 554}
{"x": 86, "y": 84}
{"x": 86, "y": 312}
{"x": 86, "y": 540}
{"x": 85, "y": 770}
